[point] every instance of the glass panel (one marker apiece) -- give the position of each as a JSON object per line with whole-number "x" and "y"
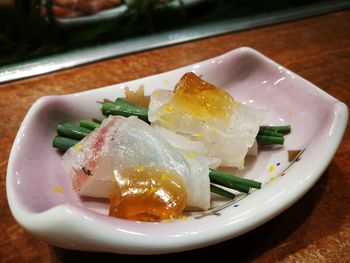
{"x": 35, "y": 29}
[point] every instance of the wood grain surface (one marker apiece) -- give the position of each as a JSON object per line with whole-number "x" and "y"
{"x": 315, "y": 229}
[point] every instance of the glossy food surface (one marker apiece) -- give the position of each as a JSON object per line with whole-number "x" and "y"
{"x": 201, "y": 99}
{"x": 147, "y": 194}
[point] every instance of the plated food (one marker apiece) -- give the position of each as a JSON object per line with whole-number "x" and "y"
{"x": 154, "y": 163}
{"x": 68, "y": 13}
{"x": 76, "y": 8}
{"x": 43, "y": 201}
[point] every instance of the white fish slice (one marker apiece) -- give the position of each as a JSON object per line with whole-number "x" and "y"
{"x": 127, "y": 143}
{"x": 228, "y": 142}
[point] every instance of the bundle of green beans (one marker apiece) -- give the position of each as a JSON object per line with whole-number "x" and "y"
{"x": 69, "y": 134}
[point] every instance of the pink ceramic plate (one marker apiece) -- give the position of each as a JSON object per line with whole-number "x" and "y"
{"x": 43, "y": 202}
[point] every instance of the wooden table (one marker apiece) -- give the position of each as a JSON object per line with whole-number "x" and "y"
{"x": 315, "y": 229}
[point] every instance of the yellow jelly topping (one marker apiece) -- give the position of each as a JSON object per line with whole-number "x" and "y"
{"x": 148, "y": 194}
{"x": 201, "y": 99}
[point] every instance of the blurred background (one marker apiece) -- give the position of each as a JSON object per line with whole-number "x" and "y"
{"x": 36, "y": 32}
